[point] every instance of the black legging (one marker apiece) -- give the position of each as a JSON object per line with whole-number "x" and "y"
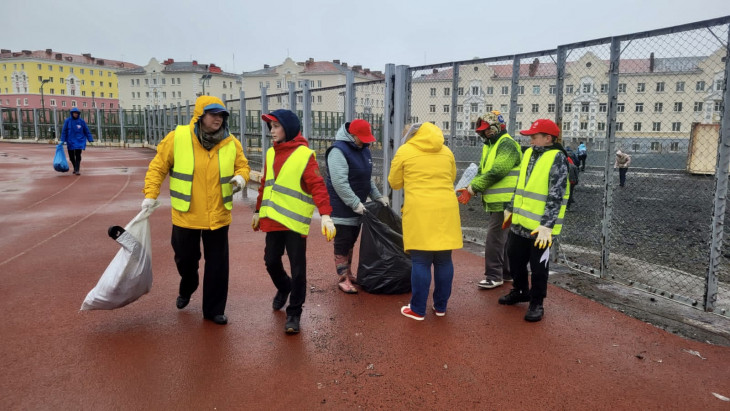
{"x": 75, "y": 157}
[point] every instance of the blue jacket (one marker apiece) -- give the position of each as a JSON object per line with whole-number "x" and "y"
{"x": 75, "y": 132}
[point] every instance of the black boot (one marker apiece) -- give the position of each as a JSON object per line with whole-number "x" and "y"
{"x": 280, "y": 300}
{"x": 535, "y": 311}
{"x": 292, "y": 324}
{"x": 515, "y": 296}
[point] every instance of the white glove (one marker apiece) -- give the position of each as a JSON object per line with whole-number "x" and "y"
{"x": 469, "y": 189}
{"x": 384, "y": 201}
{"x": 149, "y": 203}
{"x": 544, "y": 236}
{"x": 360, "y": 209}
{"x": 328, "y": 227}
{"x": 255, "y": 222}
{"x": 238, "y": 183}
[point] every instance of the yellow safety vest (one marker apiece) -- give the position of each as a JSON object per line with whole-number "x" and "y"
{"x": 530, "y": 199}
{"x": 503, "y": 189}
{"x": 181, "y": 175}
{"x": 283, "y": 199}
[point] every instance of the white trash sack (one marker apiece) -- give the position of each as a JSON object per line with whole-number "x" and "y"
{"x": 129, "y": 275}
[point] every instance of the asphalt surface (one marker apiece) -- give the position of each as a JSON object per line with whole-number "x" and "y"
{"x": 354, "y": 351}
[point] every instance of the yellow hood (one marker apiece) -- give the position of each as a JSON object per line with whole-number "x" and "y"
{"x": 200, "y": 103}
{"x": 428, "y": 138}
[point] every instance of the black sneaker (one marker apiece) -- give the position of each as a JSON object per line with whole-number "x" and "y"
{"x": 515, "y": 296}
{"x": 534, "y": 312}
{"x": 182, "y": 302}
{"x": 279, "y": 300}
{"x": 292, "y": 324}
{"x": 219, "y": 319}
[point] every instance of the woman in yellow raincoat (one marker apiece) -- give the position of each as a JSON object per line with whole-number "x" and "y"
{"x": 426, "y": 169}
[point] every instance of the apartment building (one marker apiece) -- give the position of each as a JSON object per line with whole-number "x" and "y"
{"x": 167, "y": 84}
{"x": 49, "y": 79}
{"x": 658, "y": 102}
{"x": 326, "y": 75}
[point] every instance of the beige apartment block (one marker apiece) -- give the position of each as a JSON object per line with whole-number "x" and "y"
{"x": 170, "y": 83}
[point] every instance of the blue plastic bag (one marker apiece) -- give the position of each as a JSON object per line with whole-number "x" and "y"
{"x": 59, "y": 161}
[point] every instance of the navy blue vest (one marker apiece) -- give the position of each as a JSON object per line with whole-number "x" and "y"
{"x": 360, "y": 164}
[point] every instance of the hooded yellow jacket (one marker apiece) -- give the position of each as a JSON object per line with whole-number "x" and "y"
{"x": 207, "y": 211}
{"x": 426, "y": 170}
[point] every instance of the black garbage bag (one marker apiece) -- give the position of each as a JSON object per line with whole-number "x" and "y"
{"x": 384, "y": 267}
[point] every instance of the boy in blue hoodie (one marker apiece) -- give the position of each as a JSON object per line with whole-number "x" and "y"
{"x": 75, "y": 134}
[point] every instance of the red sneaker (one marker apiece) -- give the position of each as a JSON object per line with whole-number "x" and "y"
{"x": 406, "y": 310}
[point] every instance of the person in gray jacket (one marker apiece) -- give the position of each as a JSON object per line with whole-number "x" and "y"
{"x": 349, "y": 184}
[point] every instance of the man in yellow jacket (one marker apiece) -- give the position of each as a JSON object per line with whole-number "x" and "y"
{"x": 206, "y": 167}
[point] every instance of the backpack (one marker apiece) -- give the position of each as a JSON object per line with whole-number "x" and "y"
{"x": 572, "y": 172}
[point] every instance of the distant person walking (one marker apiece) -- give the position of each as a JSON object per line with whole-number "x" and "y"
{"x": 75, "y": 134}
{"x": 622, "y": 163}
{"x": 582, "y": 156}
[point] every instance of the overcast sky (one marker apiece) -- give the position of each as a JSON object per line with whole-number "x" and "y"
{"x": 244, "y": 35}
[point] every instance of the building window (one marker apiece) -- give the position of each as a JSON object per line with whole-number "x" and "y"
{"x": 300, "y": 98}
{"x": 73, "y": 103}
{"x": 678, "y": 106}
{"x": 569, "y": 89}
{"x": 433, "y": 91}
{"x": 319, "y": 83}
{"x": 445, "y": 125}
{"x": 698, "y": 106}
{"x": 620, "y": 107}
{"x": 460, "y": 91}
{"x": 660, "y": 87}
{"x": 475, "y": 90}
{"x": 635, "y": 147}
{"x": 505, "y": 90}
{"x": 447, "y": 91}
{"x": 566, "y": 126}
{"x": 676, "y": 126}
{"x": 518, "y": 125}
{"x": 460, "y": 108}
{"x": 622, "y": 88}
{"x": 717, "y": 106}
{"x": 674, "y": 146}
{"x": 535, "y": 108}
{"x": 568, "y": 108}
{"x": 655, "y": 146}
{"x": 601, "y": 126}
{"x": 446, "y": 108}
{"x": 639, "y": 107}
{"x": 552, "y": 89}
{"x": 585, "y": 107}
{"x": 637, "y": 126}
{"x": 519, "y": 108}
{"x": 488, "y": 107}
{"x": 474, "y": 107}
{"x": 63, "y": 103}
{"x": 490, "y": 90}
{"x": 656, "y": 126}
{"x": 602, "y": 107}
{"x": 536, "y": 90}
{"x": 53, "y": 102}
{"x": 640, "y": 87}
{"x": 680, "y": 87}
{"x": 551, "y": 108}
{"x": 604, "y": 88}
{"x": 587, "y": 88}
{"x": 584, "y": 125}
{"x": 619, "y": 126}
{"x": 503, "y": 108}
{"x": 459, "y": 125}
{"x": 700, "y": 86}
{"x": 132, "y": 82}
{"x": 432, "y": 108}
{"x": 658, "y": 107}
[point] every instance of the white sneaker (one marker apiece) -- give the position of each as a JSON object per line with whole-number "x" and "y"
{"x": 487, "y": 284}
{"x": 437, "y": 312}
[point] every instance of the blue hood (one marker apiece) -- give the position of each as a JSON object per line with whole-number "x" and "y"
{"x": 289, "y": 121}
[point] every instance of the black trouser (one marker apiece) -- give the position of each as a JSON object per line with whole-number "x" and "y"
{"x": 582, "y": 161}
{"x": 296, "y": 248}
{"x": 74, "y": 156}
{"x": 572, "y": 190}
{"x": 622, "y": 176}
{"x": 186, "y": 244}
{"x": 522, "y": 251}
{"x": 346, "y": 238}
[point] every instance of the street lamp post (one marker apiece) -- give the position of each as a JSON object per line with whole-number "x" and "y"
{"x": 43, "y": 104}
{"x": 93, "y": 104}
{"x": 205, "y": 79}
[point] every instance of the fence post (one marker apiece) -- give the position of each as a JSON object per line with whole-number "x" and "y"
{"x": 187, "y": 112}
{"x": 513, "y": 96}
{"x": 400, "y": 117}
{"x": 55, "y": 124}
{"x": 292, "y": 97}
{"x": 243, "y": 121}
{"x": 454, "y": 102}
{"x": 2, "y": 129}
{"x": 350, "y": 97}
{"x": 559, "y": 85}
{"x": 613, "y": 72}
{"x": 98, "y": 125}
{"x": 20, "y": 124}
{"x": 721, "y": 181}
{"x": 307, "y": 111}
{"x": 35, "y": 124}
{"x": 122, "y": 135}
{"x": 388, "y": 126}
{"x": 264, "y": 140}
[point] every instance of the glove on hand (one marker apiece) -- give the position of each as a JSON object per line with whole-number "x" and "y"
{"x": 328, "y": 227}
{"x": 463, "y": 195}
{"x": 507, "y": 219}
{"x": 384, "y": 201}
{"x": 149, "y": 203}
{"x": 544, "y": 236}
{"x": 360, "y": 209}
{"x": 238, "y": 183}
{"x": 255, "y": 222}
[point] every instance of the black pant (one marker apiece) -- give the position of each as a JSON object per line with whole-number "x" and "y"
{"x": 522, "y": 251}
{"x": 572, "y": 191}
{"x": 622, "y": 176}
{"x": 74, "y": 156}
{"x": 296, "y": 248}
{"x": 346, "y": 238}
{"x": 186, "y": 244}
{"x": 582, "y": 161}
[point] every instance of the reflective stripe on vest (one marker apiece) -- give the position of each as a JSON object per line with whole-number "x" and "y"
{"x": 181, "y": 175}
{"x": 530, "y": 199}
{"x": 502, "y": 190}
{"x": 283, "y": 199}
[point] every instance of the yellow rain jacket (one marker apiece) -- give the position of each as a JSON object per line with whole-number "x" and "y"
{"x": 207, "y": 211}
{"x": 426, "y": 169}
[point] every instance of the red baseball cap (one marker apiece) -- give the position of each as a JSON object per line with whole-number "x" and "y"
{"x": 268, "y": 118}
{"x": 542, "y": 125}
{"x": 361, "y": 129}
